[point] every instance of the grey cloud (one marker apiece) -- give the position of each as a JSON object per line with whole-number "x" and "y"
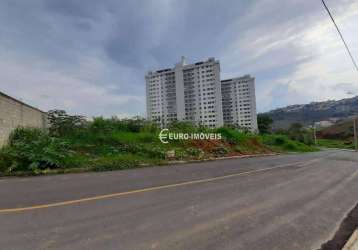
{"x": 107, "y": 46}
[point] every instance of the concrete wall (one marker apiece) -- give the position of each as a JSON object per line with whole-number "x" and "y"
{"x": 14, "y": 113}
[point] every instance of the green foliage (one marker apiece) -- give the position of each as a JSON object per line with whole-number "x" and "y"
{"x": 33, "y": 149}
{"x": 135, "y": 125}
{"x": 231, "y": 135}
{"x": 220, "y": 151}
{"x": 114, "y": 163}
{"x": 73, "y": 144}
{"x": 284, "y": 143}
{"x": 264, "y": 123}
{"x": 194, "y": 152}
{"x": 62, "y": 124}
{"x": 330, "y": 143}
{"x": 182, "y": 126}
{"x": 298, "y": 133}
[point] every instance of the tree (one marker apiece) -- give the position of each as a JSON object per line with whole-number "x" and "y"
{"x": 295, "y": 127}
{"x": 61, "y": 123}
{"x": 297, "y": 132}
{"x": 264, "y": 123}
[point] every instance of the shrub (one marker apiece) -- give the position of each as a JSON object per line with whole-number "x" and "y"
{"x": 232, "y": 136}
{"x": 280, "y": 140}
{"x": 290, "y": 146}
{"x": 24, "y": 135}
{"x": 33, "y": 149}
{"x": 151, "y": 151}
{"x": 114, "y": 163}
{"x": 135, "y": 125}
{"x": 194, "y": 152}
{"x": 220, "y": 151}
{"x": 182, "y": 126}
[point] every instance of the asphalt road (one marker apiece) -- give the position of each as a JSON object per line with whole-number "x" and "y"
{"x": 291, "y": 202}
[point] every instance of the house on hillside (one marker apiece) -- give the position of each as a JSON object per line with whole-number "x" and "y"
{"x": 323, "y": 124}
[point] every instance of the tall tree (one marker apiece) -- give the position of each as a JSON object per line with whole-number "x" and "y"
{"x": 264, "y": 123}
{"x": 61, "y": 123}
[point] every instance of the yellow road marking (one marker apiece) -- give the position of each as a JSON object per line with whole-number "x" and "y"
{"x": 101, "y": 197}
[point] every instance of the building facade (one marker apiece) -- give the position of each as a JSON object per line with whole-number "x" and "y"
{"x": 14, "y": 113}
{"x": 193, "y": 92}
{"x": 239, "y": 102}
{"x": 187, "y": 92}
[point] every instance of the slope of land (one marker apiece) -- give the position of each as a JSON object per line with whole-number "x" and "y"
{"x": 307, "y": 114}
{"x": 113, "y": 147}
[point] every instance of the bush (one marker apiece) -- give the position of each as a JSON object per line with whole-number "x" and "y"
{"x": 182, "y": 126}
{"x": 284, "y": 143}
{"x": 194, "y": 152}
{"x": 151, "y": 152}
{"x": 31, "y": 150}
{"x": 114, "y": 163}
{"x": 220, "y": 151}
{"x": 290, "y": 146}
{"x": 280, "y": 140}
{"x": 233, "y": 136}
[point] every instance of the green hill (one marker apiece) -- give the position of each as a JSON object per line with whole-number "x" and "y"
{"x": 307, "y": 114}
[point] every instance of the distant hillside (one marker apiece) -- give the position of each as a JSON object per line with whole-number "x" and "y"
{"x": 342, "y": 130}
{"x": 307, "y": 114}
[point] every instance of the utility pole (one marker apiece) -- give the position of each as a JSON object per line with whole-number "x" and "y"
{"x": 314, "y": 134}
{"x": 355, "y": 134}
{"x": 354, "y": 64}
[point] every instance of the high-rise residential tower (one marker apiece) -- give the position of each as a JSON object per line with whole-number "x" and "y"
{"x": 193, "y": 92}
{"x": 187, "y": 92}
{"x": 239, "y": 102}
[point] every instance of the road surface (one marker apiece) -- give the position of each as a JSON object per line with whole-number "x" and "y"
{"x": 294, "y": 201}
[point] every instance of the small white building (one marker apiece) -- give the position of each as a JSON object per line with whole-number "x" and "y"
{"x": 323, "y": 124}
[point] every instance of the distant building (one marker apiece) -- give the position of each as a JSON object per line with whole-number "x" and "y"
{"x": 193, "y": 92}
{"x": 324, "y": 124}
{"x": 239, "y": 102}
{"x": 15, "y": 113}
{"x": 187, "y": 92}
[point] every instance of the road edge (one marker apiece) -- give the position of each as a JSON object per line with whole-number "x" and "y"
{"x": 352, "y": 243}
{"x": 346, "y": 230}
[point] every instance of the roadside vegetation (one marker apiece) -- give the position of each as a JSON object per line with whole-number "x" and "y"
{"x": 335, "y": 143}
{"x": 73, "y": 144}
{"x": 339, "y": 135}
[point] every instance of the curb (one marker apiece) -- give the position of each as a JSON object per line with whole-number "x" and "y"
{"x": 221, "y": 158}
{"x": 84, "y": 170}
{"x": 340, "y": 149}
{"x": 352, "y": 243}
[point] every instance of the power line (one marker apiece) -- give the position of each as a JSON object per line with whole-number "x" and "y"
{"x": 340, "y": 34}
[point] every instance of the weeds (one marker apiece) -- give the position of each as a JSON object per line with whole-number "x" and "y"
{"x": 111, "y": 144}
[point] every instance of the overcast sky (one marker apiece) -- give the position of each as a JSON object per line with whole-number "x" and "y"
{"x": 90, "y": 57}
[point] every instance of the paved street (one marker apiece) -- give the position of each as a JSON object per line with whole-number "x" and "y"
{"x": 294, "y": 201}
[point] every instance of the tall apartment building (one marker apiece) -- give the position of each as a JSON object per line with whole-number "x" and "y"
{"x": 187, "y": 92}
{"x": 239, "y": 102}
{"x": 193, "y": 92}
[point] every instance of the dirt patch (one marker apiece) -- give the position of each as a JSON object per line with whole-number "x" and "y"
{"x": 222, "y": 148}
{"x": 209, "y": 145}
{"x": 346, "y": 229}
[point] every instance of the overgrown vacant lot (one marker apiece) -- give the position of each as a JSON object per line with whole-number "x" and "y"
{"x": 75, "y": 145}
